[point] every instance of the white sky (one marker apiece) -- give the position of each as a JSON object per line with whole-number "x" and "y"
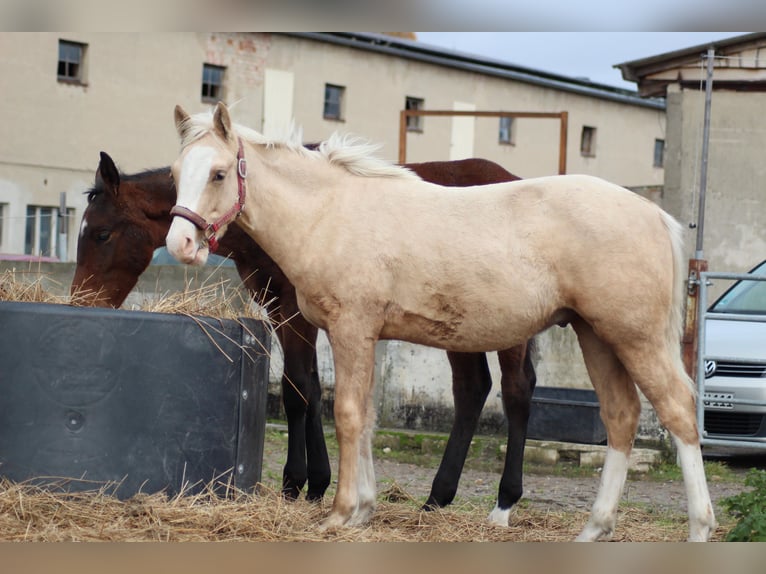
{"x": 589, "y": 55}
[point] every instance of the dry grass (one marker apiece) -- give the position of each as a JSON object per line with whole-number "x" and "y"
{"x": 211, "y": 298}
{"x": 29, "y": 513}
{"x": 16, "y": 286}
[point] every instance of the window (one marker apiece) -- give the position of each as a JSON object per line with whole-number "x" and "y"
{"x": 42, "y": 230}
{"x": 414, "y": 123}
{"x": 588, "y": 141}
{"x": 333, "y": 102}
{"x": 212, "y": 83}
{"x": 659, "y": 153}
{"x": 70, "y": 64}
{"x": 3, "y": 214}
{"x": 506, "y": 132}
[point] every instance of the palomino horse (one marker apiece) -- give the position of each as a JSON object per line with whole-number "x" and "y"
{"x": 128, "y": 217}
{"x": 374, "y": 252}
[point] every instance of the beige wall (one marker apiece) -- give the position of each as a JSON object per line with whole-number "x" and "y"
{"x": 376, "y": 86}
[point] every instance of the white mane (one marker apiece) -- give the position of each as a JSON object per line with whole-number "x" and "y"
{"x": 352, "y": 153}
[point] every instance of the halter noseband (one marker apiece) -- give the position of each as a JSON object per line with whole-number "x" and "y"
{"x": 210, "y": 229}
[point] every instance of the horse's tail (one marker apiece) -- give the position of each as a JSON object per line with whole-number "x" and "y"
{"x": 676, "y": 319}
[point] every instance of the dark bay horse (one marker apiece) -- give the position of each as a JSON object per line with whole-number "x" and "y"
{"x": 375, "y": 252}
{"x": 128, "y": 216}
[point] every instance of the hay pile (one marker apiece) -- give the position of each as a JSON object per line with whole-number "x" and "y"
{"x": 211, "y": 298}
{"x": 16, "y": 286}
{"x": 29, "y": 513}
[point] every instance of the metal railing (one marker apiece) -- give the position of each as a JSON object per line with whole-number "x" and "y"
{"x": 703, "y": 316}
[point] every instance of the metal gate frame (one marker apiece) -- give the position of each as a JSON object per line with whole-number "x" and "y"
{"x": 703, "y": 315}
{"x": 563, "y": 118}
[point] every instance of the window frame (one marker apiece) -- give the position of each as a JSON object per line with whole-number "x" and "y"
{"x": 414, "y": 123}
{"x": 588, "y": 141}
{"x": 78, "y": 77}
{"x": 659, "y": 154}
{"x": 36, "y": 215}
{"x": 506, "y": 135}
{"x": 212, "y": 98}
{"x": 3, "y": 215}
{"x": 334, "y": 109}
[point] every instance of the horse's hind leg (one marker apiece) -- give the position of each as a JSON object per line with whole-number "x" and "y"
{"x": 620, "y": 408}
{"x": 471, "y": 383}
{"x": 518, "y": 384}
{"x": 661, "y": 377}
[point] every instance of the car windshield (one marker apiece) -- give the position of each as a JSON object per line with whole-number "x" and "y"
{"x": 744, "y": 297}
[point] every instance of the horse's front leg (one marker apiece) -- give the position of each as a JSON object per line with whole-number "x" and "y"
{"x": 354, "y": 359}
{"x": 301, "y": 396}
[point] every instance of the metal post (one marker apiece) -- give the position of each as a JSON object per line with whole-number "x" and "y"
{"x": 698, "y": 265}
{"x": 705, "y": 140}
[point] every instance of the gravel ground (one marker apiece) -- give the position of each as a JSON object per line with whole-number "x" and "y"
{"x": 542, "y": 489}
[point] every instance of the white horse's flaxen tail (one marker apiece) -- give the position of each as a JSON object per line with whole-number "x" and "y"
{"x": 676, "y": 319}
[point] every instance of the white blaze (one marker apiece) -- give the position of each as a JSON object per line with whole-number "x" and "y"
{"x": 195, "y": 170}
{"x": 192, "y": 181}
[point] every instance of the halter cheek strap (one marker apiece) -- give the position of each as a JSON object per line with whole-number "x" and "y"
{"x": 210, "y": 229}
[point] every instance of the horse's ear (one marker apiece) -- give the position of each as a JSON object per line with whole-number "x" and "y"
{"x": 107, "y": 174}
{"x": 222, "y": 121}
{"x": 181, "y": 118}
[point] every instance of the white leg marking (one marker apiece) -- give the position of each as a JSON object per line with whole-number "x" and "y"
{"x": 366, "y": 487}
{"x": 499, "y": 516}
{"x": 701, "y": 517}
{"x": 603, "y": 515}
{"x": 365, "y": 478}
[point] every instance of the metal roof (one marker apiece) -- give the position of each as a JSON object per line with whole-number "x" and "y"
{"x": 638, "y": 70}
{"x": 415, "y": 50}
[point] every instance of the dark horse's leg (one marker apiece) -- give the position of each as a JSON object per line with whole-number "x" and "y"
{"x": 518, "y": 384}
{"x": 471, "y": 384}
{"x": 301, "y": 395}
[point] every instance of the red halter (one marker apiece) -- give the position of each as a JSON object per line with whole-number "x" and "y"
{"x": 210, "y": 229}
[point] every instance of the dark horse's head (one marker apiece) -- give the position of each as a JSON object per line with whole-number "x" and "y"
{"x": 125, "y": 221}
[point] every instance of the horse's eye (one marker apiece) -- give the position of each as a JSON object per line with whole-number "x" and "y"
{"x": 103, "y": 235}
{"x": 219, "y": 175}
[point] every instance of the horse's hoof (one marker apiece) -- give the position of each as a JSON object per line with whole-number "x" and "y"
{"x": 290, "y": 494}
{"x": 314, "y": 498}
{"x": 594, "y": 533}
{"x": 701, "y": 533}
{"x": 499, "y": 516}
{"x": 361, "y": 516}
{"x": 332, "y": 522}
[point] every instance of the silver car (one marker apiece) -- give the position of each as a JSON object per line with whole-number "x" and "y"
{"x": 735, "y": 363}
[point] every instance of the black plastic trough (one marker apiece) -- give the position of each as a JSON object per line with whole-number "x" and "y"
{"x": 569, "y": 415}
{"x": 143, "y": 401}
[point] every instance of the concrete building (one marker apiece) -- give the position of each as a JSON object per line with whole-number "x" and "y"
{"x": 735, "y": 201}
{"x": 68, "y": 96}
